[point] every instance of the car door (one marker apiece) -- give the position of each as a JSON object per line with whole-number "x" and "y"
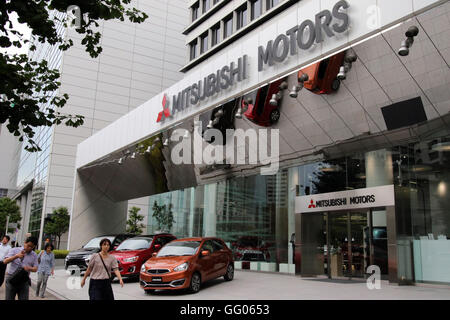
{"x": 207, "y": 263}
{"x": 221, "y": 258}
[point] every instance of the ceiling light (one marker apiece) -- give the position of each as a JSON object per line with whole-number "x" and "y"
{"x": 421, "y": 168}
{"x": 341, "y": 75}
{"x": 441, "y": 146}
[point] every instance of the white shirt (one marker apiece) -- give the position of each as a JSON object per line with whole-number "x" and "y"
{"x": 4, "y": 250}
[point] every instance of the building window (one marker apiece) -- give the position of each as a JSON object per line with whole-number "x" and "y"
{"x": 241, "y": 17}
{"x": 206, "y": 5}
{"x": 215, "y": 35}
{"x": 3, "y": 193}
{"x": 255, "y": 9}
{"x": 271, "y": 3}
{"x": 194, "y": 10}
{"x": 203, "y": 43}
{"x": 227, "y": 26}
{"x": 193, "y": 50}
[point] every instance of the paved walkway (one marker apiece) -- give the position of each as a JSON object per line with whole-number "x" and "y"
{"x": 249, "y": 285}
{"x": 32, "y": 296}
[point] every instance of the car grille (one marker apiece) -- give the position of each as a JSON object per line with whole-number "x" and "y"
{"x": 158, "y": 271}
{"x": 253, "y": 257}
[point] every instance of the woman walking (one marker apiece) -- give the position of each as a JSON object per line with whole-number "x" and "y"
{"x": 99, "y": 269}
{"x": 46, "y": 267}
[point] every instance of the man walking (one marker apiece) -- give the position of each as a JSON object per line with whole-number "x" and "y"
{"x": 4, "y": 248}
{"x": 21, "y": 257}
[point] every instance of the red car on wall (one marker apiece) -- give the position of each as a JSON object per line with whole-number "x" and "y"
{"x": 133, "y": 252}
{"x": 323, "y": 75}
{"x": 260, "y": 110}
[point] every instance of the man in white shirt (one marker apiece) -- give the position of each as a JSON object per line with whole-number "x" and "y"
{"x": 4, "y": 248}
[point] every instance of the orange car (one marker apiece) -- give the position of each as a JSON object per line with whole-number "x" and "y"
{"x": 186, "y": 264}
{"x": 323, "y": 75}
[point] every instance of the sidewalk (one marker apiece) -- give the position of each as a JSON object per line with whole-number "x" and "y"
{"x": 258, "y": 286}
{"x": 32, "y": 296}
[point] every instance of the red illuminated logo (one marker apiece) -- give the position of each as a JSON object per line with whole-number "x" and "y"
{"x": 312, "y": 205}
{"x": 165, "y": 111}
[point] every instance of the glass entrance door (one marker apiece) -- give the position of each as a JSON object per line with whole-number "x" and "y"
{"x": 342, "y": 244}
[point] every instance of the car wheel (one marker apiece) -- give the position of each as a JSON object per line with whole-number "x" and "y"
{"x": 196, "y": 281}
{"x": 336, "y": 84}
{"x": 149, "y": 291}
{"x": 274, "y": 116}
{"x": 230, "y": 273}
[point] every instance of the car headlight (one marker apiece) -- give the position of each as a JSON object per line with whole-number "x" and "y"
{"x": 181, "y": 267}
{"x": 87, "y": 258}
{"x": 143, "y": 268}
{"x": 132, "y": 259}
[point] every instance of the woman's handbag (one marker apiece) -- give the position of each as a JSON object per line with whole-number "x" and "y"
{"x": 111, "y": 277}
{"x": 19, "y": 277}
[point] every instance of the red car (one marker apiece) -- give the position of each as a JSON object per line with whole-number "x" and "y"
{"x": 133, "y": 252}
{"x": 186, "y": 264}
{"x": 250, "y": 248}
{"x": 323, "y": 75}
{"x": 260, "y": 110}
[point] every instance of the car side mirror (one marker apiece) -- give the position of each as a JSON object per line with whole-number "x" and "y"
{"x": 115, "y": 247}
{"x": 154, "y": 254}
{"x": 205, "y": 253}
{"x": 157, "y": 247}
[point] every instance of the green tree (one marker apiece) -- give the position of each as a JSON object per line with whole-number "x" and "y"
{"x": 133, "y": 223}
{"x": 9, "y": 207}
{"x": 58, "y": 223}
{"x": 164, "y": 216}
{"x": 29, "y": 96}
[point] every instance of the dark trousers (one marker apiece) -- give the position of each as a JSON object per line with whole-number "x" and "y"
{"x": 100, "y": 289}
{"x": 2, "y": 272}
{"x": 21, "y": 291}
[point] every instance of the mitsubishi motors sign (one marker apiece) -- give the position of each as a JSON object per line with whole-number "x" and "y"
{"x": 346, "y": 200}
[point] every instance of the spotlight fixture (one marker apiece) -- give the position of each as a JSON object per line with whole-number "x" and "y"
{"x": 350, "y": 56}
{"x": 133, "y": 156}
{"x": 273, "y": 101}
{"x": 149, "y": 149}
{"x": 283, "y": 85}
{"x": 304, "y": 77}
{"x": 186, "y": 135}
{"x": 166, "y": 143}
{"x": 120, "y": 161}
{"x": 238, "y": 114}
{"x": 295, "y": 90}
{"x": 215, "y": 121}
{"x": 249, "y": 100}
{"x": 412, "y": 32}
{"x": 219, "y": 113}
{"x": 342, "y": 74}
{"x": 210, "y": 124}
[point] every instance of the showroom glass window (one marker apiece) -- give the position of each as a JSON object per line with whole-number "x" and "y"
{"x": 204, "y": 42}
{"x": 215, "y": 35}
{"x": 194, "y": 10}
{"x": 255, "y": 9}
{"x": 241, "y": 15}
{"x": 227, "y": 26}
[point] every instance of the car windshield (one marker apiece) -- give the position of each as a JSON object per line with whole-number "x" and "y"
{"x": 179, "y": 248}
{"x": 95, "y": 243}
{"x": 135, "y": 244}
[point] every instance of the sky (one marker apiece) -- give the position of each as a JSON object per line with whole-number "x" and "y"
{"x": 22, "y": 28}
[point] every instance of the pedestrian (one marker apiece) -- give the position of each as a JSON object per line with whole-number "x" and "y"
{"x": 100, "y": 268}
{"x": 4, "y": 248}
{"x": 13, "y": 244}
{"x": 46, "y": 267}
{"x": 22, "y": 261}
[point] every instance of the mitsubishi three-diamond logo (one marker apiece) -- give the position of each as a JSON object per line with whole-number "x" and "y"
{"x": 165, "y": 111}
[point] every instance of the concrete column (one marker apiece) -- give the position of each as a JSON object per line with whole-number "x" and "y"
{"x": 93, "y": 213}
{"x": 209, "y": 215}
{"x": 379, "y": 173}
{"x": 191, "y": 213}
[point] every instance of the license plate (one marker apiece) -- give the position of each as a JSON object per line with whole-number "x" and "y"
{"x": 157, "y": 279}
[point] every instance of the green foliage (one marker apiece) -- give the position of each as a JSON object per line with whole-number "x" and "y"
{"x": 29, "y": 96}
{"x": 59, "y": 254}
{"x": 58, "y": 223}
{"x": 133, "y": 223}
{"x": 9, "y": 208}
{"x": 164, "y": 216}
